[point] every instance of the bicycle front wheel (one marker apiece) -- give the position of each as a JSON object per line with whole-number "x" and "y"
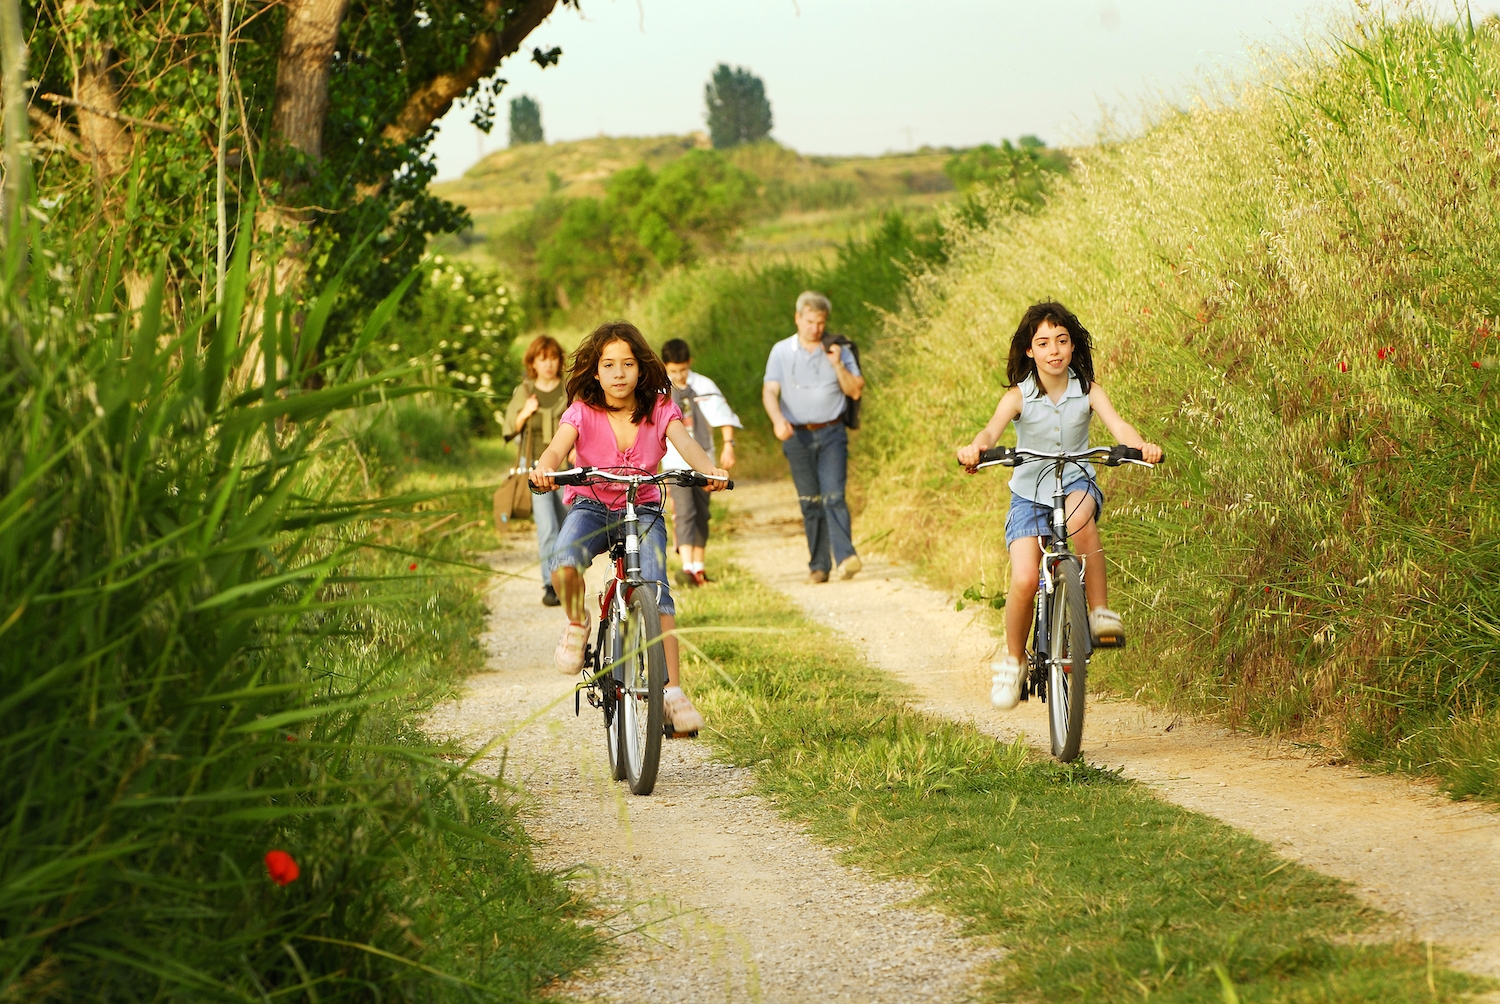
{"x": 1067, "y": 661}
{"x": 640, "y": 708}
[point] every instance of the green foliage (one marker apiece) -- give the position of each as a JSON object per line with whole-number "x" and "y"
{"x": 1097, "y": 889}
{"x": 647, "y": 222}
{"x": 214, "y": 647}
{"x": 525, "y": 121}
{"x": 732, "y": 317}
{"x": 1296, "y": 293}
{"x": 458, "y": 327}
{"x": 738, "y": 111}
{"x": 164, "y": 59}
{"x": 1021, "y": 168}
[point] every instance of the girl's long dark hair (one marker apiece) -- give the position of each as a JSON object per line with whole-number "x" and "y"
{"x": 583, "y": 380}
{"x": 1020, "y": 366}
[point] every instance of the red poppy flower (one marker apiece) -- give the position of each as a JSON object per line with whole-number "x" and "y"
{"x": 1268, "y": 590}
{"x": 1145, "y": 310}
{"x": 412, "y": 567}
{"x": 291, "y": 739}
{"x": 1382, "y": 353}
{"x": 1475, "y": 364}
{"x": 281, "y": 867}
{"x": 1202, "y": 317}
{"x": 1343, "y": 366}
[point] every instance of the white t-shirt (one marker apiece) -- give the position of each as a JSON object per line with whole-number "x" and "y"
{"x": 705, "y": 398}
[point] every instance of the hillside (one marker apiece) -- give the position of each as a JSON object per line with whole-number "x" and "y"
{"x": 811, "y": 203}
{"x": 1293, "y": 291}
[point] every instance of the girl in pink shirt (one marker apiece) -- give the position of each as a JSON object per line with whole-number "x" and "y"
{"x": 622, "y": 417}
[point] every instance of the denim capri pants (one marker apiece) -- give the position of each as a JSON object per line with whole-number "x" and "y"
{"x": 1034, "y": 519}
{"x": 590, "y": 529}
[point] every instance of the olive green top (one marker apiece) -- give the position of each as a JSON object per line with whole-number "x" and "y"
{"x": 542, "y": 425}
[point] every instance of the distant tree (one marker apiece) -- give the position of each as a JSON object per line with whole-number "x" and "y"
{"x": 1024, "y": 168}
{"x": 738, "y": 111}
{"x": 525, "y": 121}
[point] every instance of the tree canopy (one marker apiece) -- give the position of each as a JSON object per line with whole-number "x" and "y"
{"x": 332, "y": 105}
{"x": 525, "y": 121}
{"x": 738, "y": 110}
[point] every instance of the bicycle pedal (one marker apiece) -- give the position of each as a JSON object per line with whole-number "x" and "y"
{"x": 671, "y": 733}
{"x": 1110, "y": 641}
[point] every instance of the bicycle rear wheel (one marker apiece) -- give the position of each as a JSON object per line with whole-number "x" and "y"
{"x": 607, "y": 666}
{"x": 640, "y": 711}
{"x": 1068, "y": 660}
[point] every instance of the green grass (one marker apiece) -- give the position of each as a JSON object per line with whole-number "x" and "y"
{"x": 1098, "y": 890}
{"x": 1294, "y": 291}
{"x": 218, "y": 640}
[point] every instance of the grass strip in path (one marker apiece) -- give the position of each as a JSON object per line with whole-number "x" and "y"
{"x": 1098, "y": 890}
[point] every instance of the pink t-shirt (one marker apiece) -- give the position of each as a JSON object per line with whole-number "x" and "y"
{"x": 596, "y": 448}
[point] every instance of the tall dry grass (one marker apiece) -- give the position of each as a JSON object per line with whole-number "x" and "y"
{"x": 1294, "y": 290}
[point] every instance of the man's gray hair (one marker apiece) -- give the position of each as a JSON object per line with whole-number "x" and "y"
{"x": 810, "y": 300}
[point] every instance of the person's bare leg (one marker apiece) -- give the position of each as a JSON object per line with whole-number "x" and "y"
{"x": 1025, "y": 556}
{"x": 669, "y": 648}
{"x": 568, "y": 584}
{"x": 685, "y": 552}
{"x": 1084, "y": 533}
{"x": 698, "y": 555}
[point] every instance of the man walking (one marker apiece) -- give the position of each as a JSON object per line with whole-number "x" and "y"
{"x": 804, "y": 392}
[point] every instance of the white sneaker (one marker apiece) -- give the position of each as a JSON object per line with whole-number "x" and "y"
{"x": 569, "y": 653}
{"x": 682, "y": 716}
{"x": 1106, "y": 627}
{"x": 1005, "y": 689}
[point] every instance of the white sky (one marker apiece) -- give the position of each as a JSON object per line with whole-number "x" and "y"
{"x": 871, "y": 76}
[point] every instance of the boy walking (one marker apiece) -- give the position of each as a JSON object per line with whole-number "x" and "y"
{"x": 704, "y": 409}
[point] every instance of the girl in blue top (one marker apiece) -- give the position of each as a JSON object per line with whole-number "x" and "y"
{"x": 1051, "y": 398}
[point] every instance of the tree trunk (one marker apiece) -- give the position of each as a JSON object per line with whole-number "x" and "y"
{"x": 302, "y": 69}
{"x": 105, "y": 141}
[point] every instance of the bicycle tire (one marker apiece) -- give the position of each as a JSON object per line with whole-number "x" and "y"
{"x": 640, "y": 711}
{"x": 607, "y": 660}
{"x": 1067, "y": 665}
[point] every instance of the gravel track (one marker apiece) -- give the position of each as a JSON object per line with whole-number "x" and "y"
{"x": 1430, "y": 862}
{"x": 712, "y": 895}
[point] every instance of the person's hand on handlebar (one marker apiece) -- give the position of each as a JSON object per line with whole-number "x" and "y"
{"x": 1151, "y": 453}
{"x": 716, "y": 486}
{"x": 541, "y": 476}
{"x": 968, "y": 456}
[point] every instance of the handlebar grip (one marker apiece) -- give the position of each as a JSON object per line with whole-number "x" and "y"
{"x": 997, "y": 455}
{"x": 729, "y": 485}
{"x": 1120, "y": 453}
{"x": 574, "y": 480}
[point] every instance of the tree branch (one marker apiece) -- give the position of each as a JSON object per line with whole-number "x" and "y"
{"x": 432, "y": 100}
{"x": 59, "y": 99}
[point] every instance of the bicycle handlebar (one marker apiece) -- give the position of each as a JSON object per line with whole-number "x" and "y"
{"x": 1109, "y": 456}
{"x": 578, "y": 477}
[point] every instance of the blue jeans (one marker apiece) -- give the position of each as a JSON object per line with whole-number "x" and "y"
{"x": 549, "y": 512}
{"x": 591, "y": 527}
{"x": 820, "y": 469}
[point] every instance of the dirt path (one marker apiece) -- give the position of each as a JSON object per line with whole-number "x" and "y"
{"x": 1431, "y": 862}
{"x": 714, "y": 896}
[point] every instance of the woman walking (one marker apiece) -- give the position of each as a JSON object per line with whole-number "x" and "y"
{"x": 533, "y": 414}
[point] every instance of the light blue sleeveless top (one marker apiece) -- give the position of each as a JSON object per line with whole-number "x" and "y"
{"x": 1048, "y": 427}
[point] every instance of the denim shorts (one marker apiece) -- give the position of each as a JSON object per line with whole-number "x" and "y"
{"x": 1034, "y": 519}
{"x": 589, "y": 530}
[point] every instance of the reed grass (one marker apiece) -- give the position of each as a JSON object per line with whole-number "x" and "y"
{"x": 214, "y": 644}
{"x": 1292, "y": 287}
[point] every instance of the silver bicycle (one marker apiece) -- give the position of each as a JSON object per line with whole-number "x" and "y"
{"x": 1061, "y": 644}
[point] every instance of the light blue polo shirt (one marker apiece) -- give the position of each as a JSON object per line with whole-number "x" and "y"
{"x": 809, "y": 384}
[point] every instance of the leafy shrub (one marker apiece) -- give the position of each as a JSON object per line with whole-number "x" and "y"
{"x": 1021, "y": 171}
{"x": 647, "y": 222}
{"x": 458, "y": 325}
{"x": 412, "y": 430}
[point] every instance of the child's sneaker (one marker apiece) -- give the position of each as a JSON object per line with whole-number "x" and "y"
{"x": 701, "y": 579}
{"x": 1106, "y": 628}
{"x": 681, "y": 715}
{"x": 1005, "y": 688}
{"x": 569, "y": 654}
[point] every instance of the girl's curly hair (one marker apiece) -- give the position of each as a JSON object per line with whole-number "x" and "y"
{"x": 583, "y": 379}
{"x": 1021, "y": 366}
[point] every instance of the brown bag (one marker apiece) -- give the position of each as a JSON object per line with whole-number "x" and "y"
{"x": 513, "y": 497}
